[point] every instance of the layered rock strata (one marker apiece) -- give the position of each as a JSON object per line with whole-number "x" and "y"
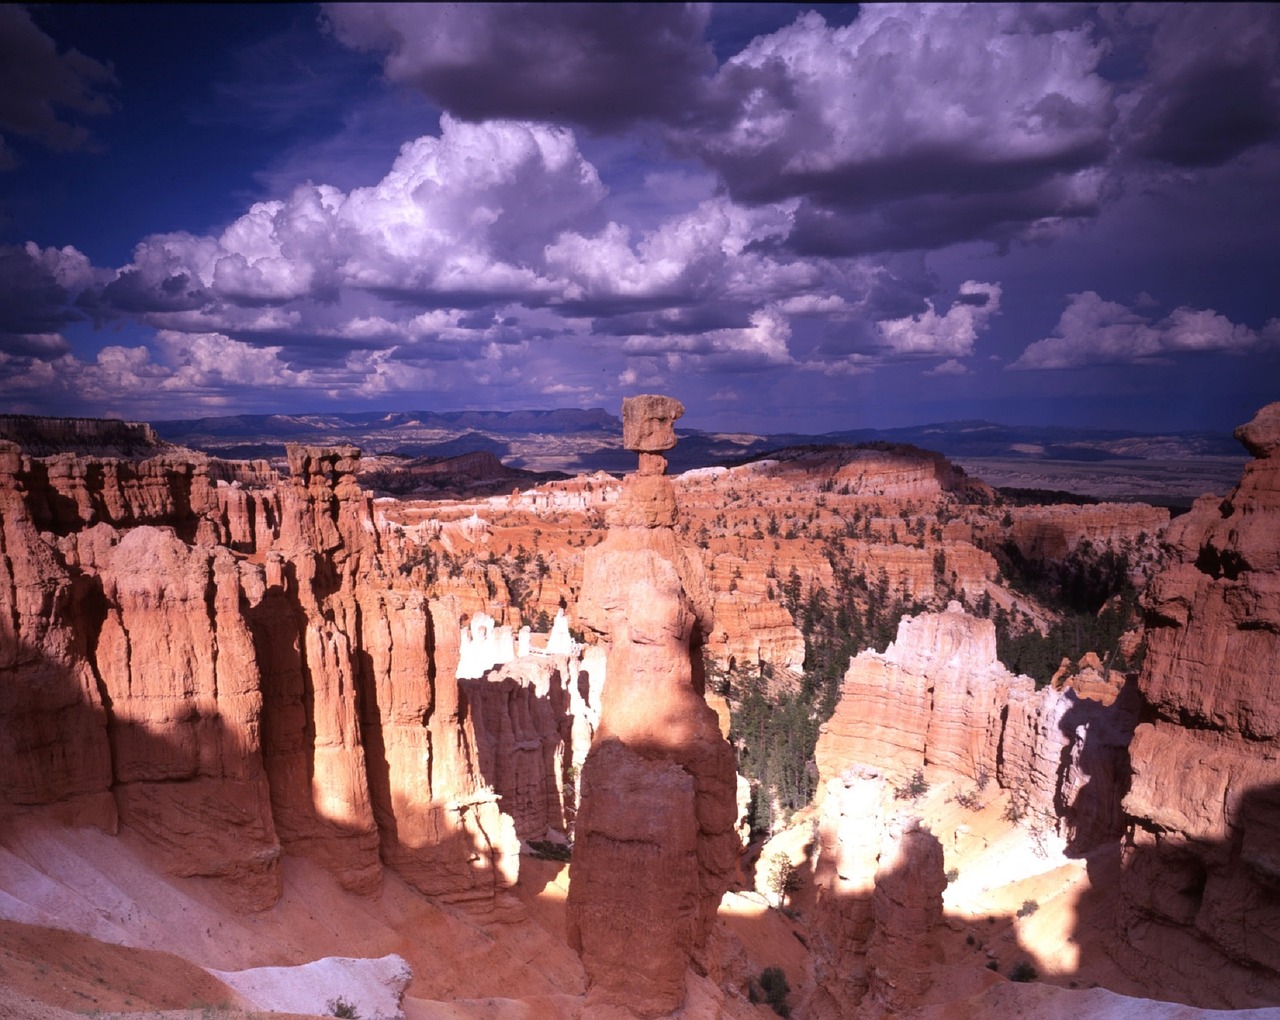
{"x": 655, "y": 845}
{"x": 231, "y": 664}
{"x": 938, "y": 697}
{"x": 1202, "y": 872}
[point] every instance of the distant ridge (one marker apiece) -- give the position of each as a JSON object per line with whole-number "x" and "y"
{"x": 1108, "y": 463}
{"x": 384, "y": 430}
{"x": 252, "y": 426}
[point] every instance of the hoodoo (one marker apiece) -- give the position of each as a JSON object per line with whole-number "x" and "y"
{"x": 655, "y": 844}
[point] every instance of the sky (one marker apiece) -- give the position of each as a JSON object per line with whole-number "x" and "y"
{"x": 792, "y": 218}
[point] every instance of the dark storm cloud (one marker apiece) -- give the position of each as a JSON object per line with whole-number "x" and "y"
{"x": 935, "y": 220}
{"x": 42, "y": 89}
{"x": 602, "y": 66}
{"x": 31, "y": 298}
{"x": 41, "y": 292}
{"x": 132, "y": 291}
{"x": 1213, "y": 82}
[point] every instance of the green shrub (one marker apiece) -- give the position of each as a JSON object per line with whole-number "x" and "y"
{"x": 546, "y": 850}
{"x": 1023, "y": 971}
{"x": 1028, "y": 908}
{"x": 782, "y": 877}
{"x": 913, "y": 790}
{"x": 970, "y": 801}
{"x": 776, "y": 989}
{"x": 340, "y": 1007}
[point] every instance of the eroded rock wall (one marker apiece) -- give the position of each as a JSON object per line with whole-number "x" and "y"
{"x": 938, "y": 697}
{"x": 233, "y": 665}
{"x": 1202, "y": 872}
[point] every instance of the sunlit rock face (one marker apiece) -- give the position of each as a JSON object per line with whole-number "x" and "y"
{"x": 938, "y": 697}
{"x": 1202, "y": 874}
{"x": 939, "y": 700}
{"x": 655, "y": 845}
{"x": 231, "y": 664}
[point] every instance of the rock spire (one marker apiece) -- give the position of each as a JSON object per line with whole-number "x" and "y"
{"x": 655, "y": 842}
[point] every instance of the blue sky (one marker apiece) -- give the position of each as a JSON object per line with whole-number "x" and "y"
{"x": 791, "y": 219}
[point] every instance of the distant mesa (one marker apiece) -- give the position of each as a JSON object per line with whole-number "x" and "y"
{"x": 41, "y": 436}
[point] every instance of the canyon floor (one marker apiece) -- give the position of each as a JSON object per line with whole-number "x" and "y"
{"x": 109, "y": 933}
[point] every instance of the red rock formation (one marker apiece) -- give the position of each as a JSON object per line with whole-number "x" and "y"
{"x": 1053, "y": 532}
{"x": 906, "y": 907}
{"x": 236, "y": 664}
{"x": 183, "y": 696}
{"x": 939, "y": 697}
{"x": 523, "y": 730}
{"x": 1202, "y": 871}
{"x": 54, "y": 747}
{"x": 655, "y": 841}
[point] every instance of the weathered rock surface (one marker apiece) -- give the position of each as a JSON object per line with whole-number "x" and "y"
{"x": 939, "y": 697}
{"x": 1054, "y": 532}
{"x": 656, "y": 845}
{"x": 522, "y": 718}
{"x": 1202, "y": 870}
{"x": 906, "y": 907}
{"x": 233, "y": 664}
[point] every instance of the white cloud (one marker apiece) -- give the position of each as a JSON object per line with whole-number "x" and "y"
{"x": 456, "y": 214}
{"x": 952, "y": 335}
{"x": 688, "y": 255}
{"x": 194, "y": 370}
{"x": 764, "y": 343}
{"x": 949, "y": 367}
{"x": 978, "y": 80}
{"x": 994, "y": 108}
{"x": 1092, "y": 331}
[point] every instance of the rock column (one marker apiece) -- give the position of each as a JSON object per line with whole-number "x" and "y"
{"x": 656, "y": 846}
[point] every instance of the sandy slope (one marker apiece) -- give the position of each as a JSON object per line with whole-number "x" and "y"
{"x": 89, "y": 922}
{"x": 106, "y": 893}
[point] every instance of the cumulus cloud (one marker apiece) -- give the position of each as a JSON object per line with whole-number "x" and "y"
{"x": 42, "y": 89}
{"x": 602, "y": 66}
{"x": 453, "y": 221}
{"x": 913, "y": 125}
{"x": 197, "y": 370}
{"x": 761, "y": 344}
{"x": 706, "y": 253}
{"x": 1092, "y": 331}
{"x": 949, "y": 367}
{"x": 952, "y": 335}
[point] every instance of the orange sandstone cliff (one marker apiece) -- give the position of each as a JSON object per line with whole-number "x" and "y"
{"x": 229, "y": 663}
{"x": 1201, "y": 888}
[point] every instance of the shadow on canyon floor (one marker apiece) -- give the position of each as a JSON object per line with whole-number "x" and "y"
{"x": 213, "y": 808}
